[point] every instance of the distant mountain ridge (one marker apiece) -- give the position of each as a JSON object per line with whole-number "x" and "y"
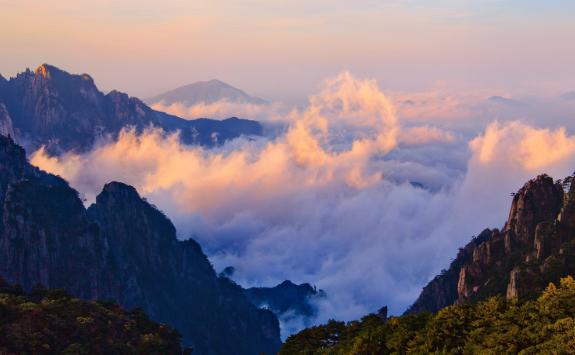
{"x": 121, "y": 248}
{"x": 288, "y": 301}
{"x": 67, "y": 112}
{"x": 205, "y": 92}
{"x": 536, "y": 246}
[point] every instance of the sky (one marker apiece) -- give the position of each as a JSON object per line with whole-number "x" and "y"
{"x": 399, "y": 118}
{"x": 281, "y": 50}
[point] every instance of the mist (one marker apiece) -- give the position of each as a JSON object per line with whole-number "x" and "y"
{"x": 350, "y": 197}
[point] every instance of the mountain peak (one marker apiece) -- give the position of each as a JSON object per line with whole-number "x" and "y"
{"x": 120, "y": 189}
{"x": 206, "y": 92}
{"x": 47, "y": 71}
{"x": 50, "y": 72}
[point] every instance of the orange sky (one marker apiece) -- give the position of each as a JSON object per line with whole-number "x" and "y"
{"x": 280, "y": 49}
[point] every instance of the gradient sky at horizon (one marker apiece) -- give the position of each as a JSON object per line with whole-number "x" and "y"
{"x": 281, "y": 49}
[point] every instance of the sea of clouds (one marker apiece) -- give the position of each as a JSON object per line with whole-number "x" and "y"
{"x": 365, "y": 195}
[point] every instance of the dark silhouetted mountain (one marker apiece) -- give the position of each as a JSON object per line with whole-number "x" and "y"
{"x": 536, "y": 246}
{"x": 286, "y": 299}
{"x": 67, "y": 112}
{"x": 121, "y": 248}
{"x": 205, "y": 92}
{"x": 209, "y": 132}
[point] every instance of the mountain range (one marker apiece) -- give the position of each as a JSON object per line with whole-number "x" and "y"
{"x": 121, "y": 248}
{"x": 64, "y": 112}
{"x": 205, "y": 92}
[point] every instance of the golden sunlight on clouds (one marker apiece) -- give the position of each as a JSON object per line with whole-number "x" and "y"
{"x": 516, "y": 143}
{"x": 202, "y": 180}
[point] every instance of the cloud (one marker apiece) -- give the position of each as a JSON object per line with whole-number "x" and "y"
{"x": 520, "y": 145}
{"x": 224, "y": 109}
{"x": 422, "y": 135}
{"x": 334, "y": 200}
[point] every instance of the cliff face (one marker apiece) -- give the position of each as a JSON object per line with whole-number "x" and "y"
{"x": 6, "y": 128}
{"x": 66, "y": 112}
{"x": 536, "y": 246}
{"x": 121, "y": 248}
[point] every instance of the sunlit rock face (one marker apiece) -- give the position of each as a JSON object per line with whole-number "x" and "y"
{"x": 121, "y": 248}
{"x": 536, "y": 246}
{"x": 67, "y": 112}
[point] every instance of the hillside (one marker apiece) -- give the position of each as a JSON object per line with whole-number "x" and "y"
{"x": 545, "y": 325}
{"x": 535, "y": 246}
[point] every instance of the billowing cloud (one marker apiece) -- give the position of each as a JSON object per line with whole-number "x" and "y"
{"x": 518, "y": 144}
{"x": 333, "y": 201}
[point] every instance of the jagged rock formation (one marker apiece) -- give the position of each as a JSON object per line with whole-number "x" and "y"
{"x": 286, "y": 299}
{"x": 121, "y": 248}
{"x": 535, "y": 246}
{"x": 67, "y": 112}
{"x": 294, "y": 305}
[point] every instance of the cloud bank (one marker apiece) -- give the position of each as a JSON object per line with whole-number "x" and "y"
{"x": 347, "y": 198}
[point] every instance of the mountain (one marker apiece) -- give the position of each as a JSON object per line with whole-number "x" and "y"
{"x": 124, "y": 249}
{"x": 67, "y": 112}
{"x": 287, "y": 300}
{"x": 53, "y": 322}
{"x": 205, "y": 92}
{"x": 535, "y": 246}
{"x": 508, "y": 291}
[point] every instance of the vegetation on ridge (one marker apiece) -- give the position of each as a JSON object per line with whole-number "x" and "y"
{"x": 53, "y": 322}
{"x": 545, "y": 325}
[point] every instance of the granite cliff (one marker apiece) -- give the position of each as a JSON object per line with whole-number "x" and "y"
{"x": 536, "y": 246}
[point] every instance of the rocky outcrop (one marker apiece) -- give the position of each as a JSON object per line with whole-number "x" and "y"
{"x": 286, "y": 298}
{"x": 6, "y": 128}
{"x": 294, "y": 305}
{"x": 66, "y": 112}
{"x": 121, "y": 248}
{"x": 538, "y": 201}
{"x": 536, "y": 246}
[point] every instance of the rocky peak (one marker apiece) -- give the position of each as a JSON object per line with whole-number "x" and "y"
{"x": 539, "y": 200}
{"x": 130, "y": 110}
{"x": 120, "y": 191}
{"x": 45, "y": 71}
{"x": 287, "y": 300}
{"x": 536, "y": 246}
